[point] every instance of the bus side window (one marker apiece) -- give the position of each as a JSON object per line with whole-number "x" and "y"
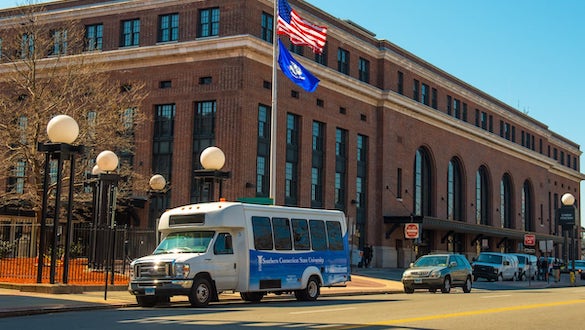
{"x": 318, "y": 235}
{"x": 301, "y": 234}
{"x": 335, "y": 236}
{"x": 223, "y": 244}
{"x": 262, "y": 230}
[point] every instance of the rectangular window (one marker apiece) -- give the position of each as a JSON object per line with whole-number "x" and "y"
{"x": 400, "y": 83}
{"x": 266, "y": 30}
{"x": 457, "y": 108}
{"x": 300, "y": 229}
{"x": 130, "y": 33}
{"x": 318, "y": 235}
{"x": 162, "y": 153}
{"x": 340, "y": 168}
{"x": 168, "y": 27}
{"x": 208, "y": 22}
{"x": 434, "y": 99}
{"x": 343, "y": 61}
{"x": 322, "y": 58}
{"x": 364, "y": 70}
{"x": 318, "y": 163}
{"x": 94, "y": 36}
{"x": 334, "y": 236}
{"x": 59, "y": 42}
{"x": 292, "y": 157}
{"x": 464, "y": 112}
{"x": 27, "y": 46}
{"x": 425, "y": 94}
{"x": 449, "y": 102}
{"x": 282, "y": 238}
{"x": 17, "y": 180}
{"x": 262, "y": 231}
{"x": 263, "y": 151}
{"x": 203, "y": 137}
{"x": 296, "y": 49}
{"x": 415, "y": 89}
{"x": 484, "y": 120}
{"x": 399, "y": 183}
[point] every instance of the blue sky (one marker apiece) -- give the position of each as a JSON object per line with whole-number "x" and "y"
{"x": 526, "y": 53}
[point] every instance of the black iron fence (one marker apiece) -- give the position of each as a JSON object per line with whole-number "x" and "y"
{"x": 92, "y": 252}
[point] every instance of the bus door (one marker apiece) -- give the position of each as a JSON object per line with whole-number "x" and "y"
{"x": 223, "y": 265}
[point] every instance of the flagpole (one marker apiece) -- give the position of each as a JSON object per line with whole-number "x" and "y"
{"x": 273, "y": 117}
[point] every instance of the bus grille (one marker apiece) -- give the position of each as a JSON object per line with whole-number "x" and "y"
{"x": 153, "y": 270}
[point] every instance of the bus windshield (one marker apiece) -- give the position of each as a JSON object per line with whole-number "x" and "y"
{"x": 185, "y": 242}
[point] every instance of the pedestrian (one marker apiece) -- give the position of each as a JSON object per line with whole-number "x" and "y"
{"x": 367, "y": 258}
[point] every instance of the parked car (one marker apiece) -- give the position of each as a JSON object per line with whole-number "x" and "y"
{"x": 579, "y": 267}
{"x": 527, "y": 266}
{"x": 495, "y": 266}
{"x": 438, "y": 272}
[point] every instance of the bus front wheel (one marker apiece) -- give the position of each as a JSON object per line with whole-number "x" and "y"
{"x": 200, "y": 293}
{"x": 311, "y": 292}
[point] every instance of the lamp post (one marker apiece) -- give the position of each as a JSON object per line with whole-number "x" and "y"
{"x": 212, "y": 159}
{"x": 567, "y": 220}
{"x": 107, "y": 162}
{"x": 158, "y": 188}
{"x": 62, "y": 131}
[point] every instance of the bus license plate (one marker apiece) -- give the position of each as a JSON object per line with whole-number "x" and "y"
{"x": 149, "y": 291}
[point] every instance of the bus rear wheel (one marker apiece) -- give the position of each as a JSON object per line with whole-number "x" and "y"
{"x": 311, "y": 292}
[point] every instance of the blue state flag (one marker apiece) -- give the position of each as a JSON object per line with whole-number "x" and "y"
{"x": 295, "y": 71}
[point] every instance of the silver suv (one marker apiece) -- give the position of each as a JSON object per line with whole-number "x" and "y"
{"x": 438, "y": 271}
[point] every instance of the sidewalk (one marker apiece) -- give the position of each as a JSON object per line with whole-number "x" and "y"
{"x": 16, "y": 302}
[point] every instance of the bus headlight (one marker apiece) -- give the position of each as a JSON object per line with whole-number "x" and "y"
{"x": 182, "y": 270}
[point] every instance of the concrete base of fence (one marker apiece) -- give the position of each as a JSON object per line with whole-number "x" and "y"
{"x": 60, "y": 288}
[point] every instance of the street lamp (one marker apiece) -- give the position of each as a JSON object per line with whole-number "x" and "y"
{"x": 62, "y": 131}
{"x": 212, "y": 159}
{"x": 107, "y": 163}
{"x": 158, "y": 188}
{"x": 567, "y": 220}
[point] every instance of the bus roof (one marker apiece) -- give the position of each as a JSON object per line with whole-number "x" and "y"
{"x": 232, "y": 214}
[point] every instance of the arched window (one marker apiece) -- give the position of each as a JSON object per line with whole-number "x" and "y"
{"x": 422, "y": 183}
{"x": 454, "y": 191}
{"x": 506, "y": 202}
{"x": 482, "y": 195}
{"x": 527, "y": 207}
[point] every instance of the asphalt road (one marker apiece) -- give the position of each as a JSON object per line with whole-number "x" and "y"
{"x": 548, "y": 308}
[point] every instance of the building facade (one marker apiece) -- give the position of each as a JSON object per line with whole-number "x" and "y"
{"x": 387, "y": 137}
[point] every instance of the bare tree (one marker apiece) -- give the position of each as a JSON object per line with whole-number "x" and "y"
{"x": 46, "y": 70}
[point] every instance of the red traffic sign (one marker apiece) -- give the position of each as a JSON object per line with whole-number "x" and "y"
{"x": 411, "y": 230}
{"x": 529, "y": 239}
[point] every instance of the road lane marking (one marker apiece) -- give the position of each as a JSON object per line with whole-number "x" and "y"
{"x": 324, "y": 310}
{"x": 479, "y": 312}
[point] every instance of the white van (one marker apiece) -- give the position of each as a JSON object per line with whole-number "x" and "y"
{"x": 210, "y": 248}
{"x": 495, "y": 266}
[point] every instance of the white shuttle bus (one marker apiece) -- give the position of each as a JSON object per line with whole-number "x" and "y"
{"x": 210, "y": 248}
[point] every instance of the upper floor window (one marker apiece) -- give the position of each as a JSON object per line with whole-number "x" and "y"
{"x": 424, "y": 98}
{"x": 296, "y": 49}
{"x": 168, "y": 27}
{"x": 322, "y": 58}
{"x": 415, "y": 90}
{"x": 343, "y": 61}
{"x": 130, "y": 33}
{"x": 364, "y": 70}
{"x": 94, "y": 35}
{"x": 27, "y": 46}
{"x": 208, "y": 22}
{"x": 59, "y": 42}
{"x": 400, "y": 85}
{"x": 266, "y": 32}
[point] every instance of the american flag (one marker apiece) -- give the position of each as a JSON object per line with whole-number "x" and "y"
{"x": 300, "y": 31}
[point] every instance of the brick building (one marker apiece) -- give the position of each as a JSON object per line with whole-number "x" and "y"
{"x": 386, "y": 137}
